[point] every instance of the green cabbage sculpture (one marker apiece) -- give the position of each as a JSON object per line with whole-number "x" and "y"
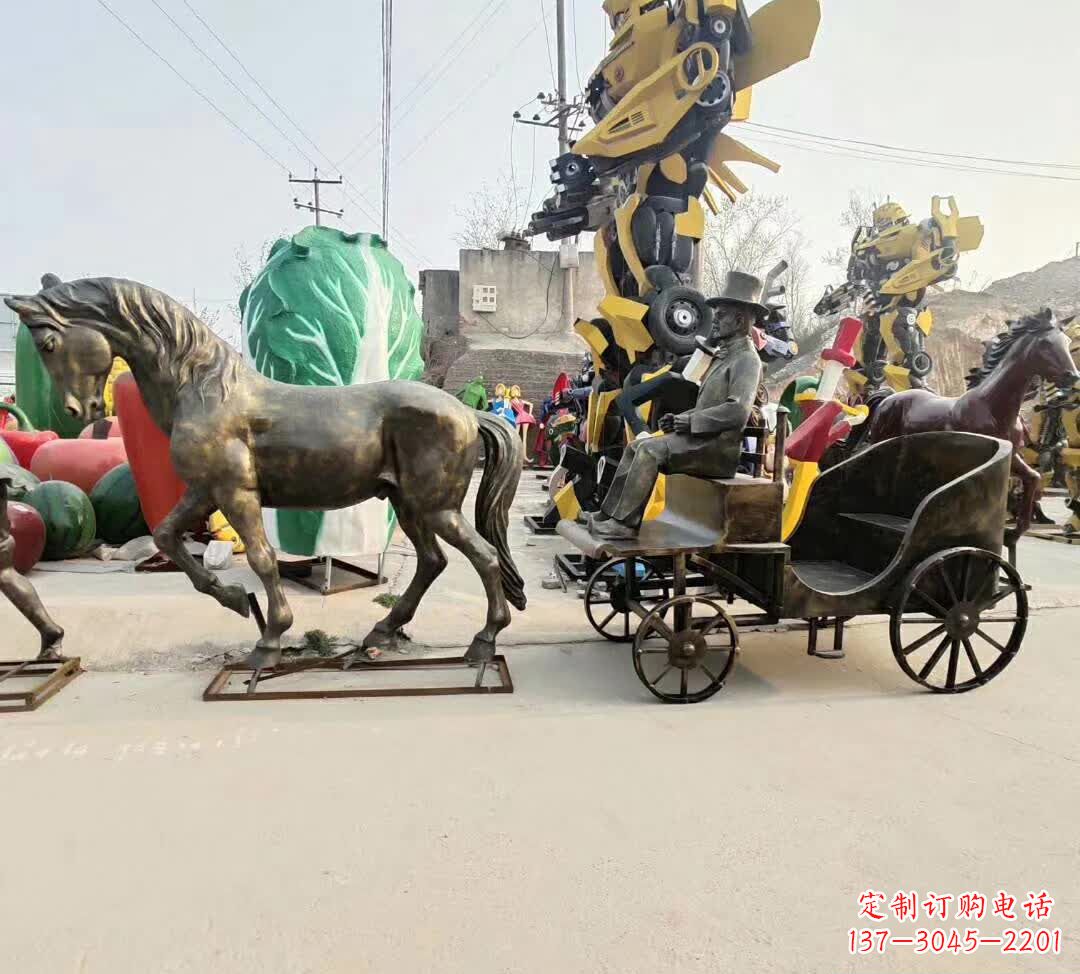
{"x": 332, "y": 309}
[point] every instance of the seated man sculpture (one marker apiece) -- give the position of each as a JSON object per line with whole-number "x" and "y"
{"x": 19, "y": 591}
{"x": 706, "y": 441}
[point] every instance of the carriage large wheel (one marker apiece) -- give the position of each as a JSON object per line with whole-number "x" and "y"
{"x": 607, "y": 592}
{"x": 700, "y": 642}
{"x": 959, "y": 621}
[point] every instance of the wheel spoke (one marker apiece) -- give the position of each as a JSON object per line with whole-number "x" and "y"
{"x": 661, "y": 628}
{"x": 1010, "y": 619}
{"x": 935, "y": 659}
{"x": 683, "y": 680}
{"x": 929, "y": 637}
{"x": 954, "y": 659}
{"x": 993, "y": 642}
{"x": 965, "y": 584}
{"x": 999, "y": 597}
{"x": 611, "y": 615}
{"x": 948, "y": 582}
{"x": 662, "y": 675}
{"x": 973, "y": 660}
{"x": 711, "y": 625}
{"x": 941, "y": 613}
{"x": 626, "y": 625}
{"x": 709, "y": 673}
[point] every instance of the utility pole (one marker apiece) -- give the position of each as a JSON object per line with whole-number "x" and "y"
{"x": 387, "y": 105}
{"x": 315, "y": 208}
{"x": 568, "y": 249}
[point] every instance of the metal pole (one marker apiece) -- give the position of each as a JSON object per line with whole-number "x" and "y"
{"x": 388, "y": 60}
{"x": 564, "y": 146}
{"x": 318, "y": 212}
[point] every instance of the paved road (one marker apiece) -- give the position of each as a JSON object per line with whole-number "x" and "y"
{"x": 574, "y": 826}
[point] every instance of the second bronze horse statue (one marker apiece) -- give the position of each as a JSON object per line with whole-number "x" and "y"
{"x": 241, "y": 441}
{"x": 1033, "y": 347}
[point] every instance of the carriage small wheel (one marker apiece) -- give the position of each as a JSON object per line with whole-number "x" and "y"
{"x": 701, "y": 643}
{"x": 607, "y": 591}
{"x": 959, "y": 621}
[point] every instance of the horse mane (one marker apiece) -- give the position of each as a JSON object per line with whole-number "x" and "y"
{"x": 183, "y": 345}
{"x": 997, "y": 349}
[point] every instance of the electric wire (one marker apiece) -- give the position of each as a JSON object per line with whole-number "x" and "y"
{"x": 430, "y": 77}
{"x": 243, "y": 94}
{"x": 870, "y": 156}
{"x": 918, "y": 152}
{"x": 255, "y": 81}
{"x": 206, "y": 98}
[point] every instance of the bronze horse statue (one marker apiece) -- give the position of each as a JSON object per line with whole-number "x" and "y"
{"x": 1035, "y": 346}
{"x": 241, "y": 441}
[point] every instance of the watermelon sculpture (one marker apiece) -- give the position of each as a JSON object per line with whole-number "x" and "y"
{"x": 20, "y": 480}
{"x": 7, "y": 456}
{"x": 35, "y": 391}
{"x": 332, "y": 309}
{"x": 79, "y": 462}
{"x": 116, "y": 507}
{"x": 28, "y": 530}
{"x": 70, "y": 525}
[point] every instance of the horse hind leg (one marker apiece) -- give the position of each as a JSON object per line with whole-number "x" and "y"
{"x": 244, "y": 512}
{"x": 452, "y": 527}
{"x": 430, "y": 563}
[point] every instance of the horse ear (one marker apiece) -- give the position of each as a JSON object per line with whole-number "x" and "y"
{"x": 1065, "y": 322}
{"x": 24, "y": 305}
{"x": 49, "y": 280}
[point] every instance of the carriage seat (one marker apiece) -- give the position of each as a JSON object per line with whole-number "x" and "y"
{"x": 737, "y": 510}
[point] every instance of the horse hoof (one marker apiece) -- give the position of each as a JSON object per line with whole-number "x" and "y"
{"x": 480, "y": 651}
{"x": 235, "y": 597}
{"x": 264, "y": 658}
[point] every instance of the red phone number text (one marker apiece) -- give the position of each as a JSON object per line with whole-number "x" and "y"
{"x": 953, "y": 941}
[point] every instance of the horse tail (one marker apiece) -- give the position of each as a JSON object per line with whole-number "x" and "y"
{"x": 503, "y": 459}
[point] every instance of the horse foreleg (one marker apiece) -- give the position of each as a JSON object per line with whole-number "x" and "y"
{"x": 1031, "y": 480}
{"x": 244, "y": 512}
{"x": 452, "y": 527}
{"x": 22, "y": 595}
{"x": 430, "y": 562}
{"x": 195, "y": 506}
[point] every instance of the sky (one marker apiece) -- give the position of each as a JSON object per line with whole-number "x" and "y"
{"x": 111, "y": 165}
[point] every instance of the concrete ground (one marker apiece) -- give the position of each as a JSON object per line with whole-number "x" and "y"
{"x": 572, "y": 826}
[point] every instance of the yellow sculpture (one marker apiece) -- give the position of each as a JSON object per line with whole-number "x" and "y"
{"x": 892, "y": 265}
{"x": 674, "y": 77}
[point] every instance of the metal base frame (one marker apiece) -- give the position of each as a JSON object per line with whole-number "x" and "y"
{"x": 218, "y": 690}
{"x": 538, "y": 525}
{"x": 1053, "y": 533}
{"x": 57, "y": 673}
{"x": 318, "y": 574}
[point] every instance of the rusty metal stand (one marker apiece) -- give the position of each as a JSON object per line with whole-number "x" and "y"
{"x": 218, "y": 688}
{"x": 318, "y": 573}
{"x": 57, "y": 673}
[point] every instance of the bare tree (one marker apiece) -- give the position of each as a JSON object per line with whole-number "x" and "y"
{"x": 753, "y": 235}
{"x": 859, "y": 212}
{"x": 489, "y": 212}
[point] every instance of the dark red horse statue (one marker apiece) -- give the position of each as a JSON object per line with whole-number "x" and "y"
{"x": 1035, "y": 346}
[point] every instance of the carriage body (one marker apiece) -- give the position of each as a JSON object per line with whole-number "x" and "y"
{"x": 911, "y": 528}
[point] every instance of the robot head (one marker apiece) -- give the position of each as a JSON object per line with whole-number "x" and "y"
{"x": 889, "y": 215}
{"x": 617, "y": 11}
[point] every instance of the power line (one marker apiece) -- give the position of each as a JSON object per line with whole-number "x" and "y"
{"x": 547, "y": 44}
{"x": 431, "y": 76}
{"x": 921, "y": 152}
{"x": 228, "y": 50}
{"x": 867, "y": 155}
{"x": 209, "y": 101}
{"x": 462, "y": 102}
{"x": 243, "y": 94}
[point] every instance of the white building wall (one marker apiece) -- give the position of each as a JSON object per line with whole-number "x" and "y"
{"x": 8, "y": 325}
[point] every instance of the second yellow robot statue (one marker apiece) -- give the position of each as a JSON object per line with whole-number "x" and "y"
{"x": 892, "y": 265}
{"x": 676, "y": 74}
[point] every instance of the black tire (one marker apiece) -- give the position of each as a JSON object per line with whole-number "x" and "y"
{"x": 944, "y": 604}
{"x": 607, "y": 591}
{"x": 677, "y": 316}
{"x": 921, "y": 364}
{"x": 698, "y": 648}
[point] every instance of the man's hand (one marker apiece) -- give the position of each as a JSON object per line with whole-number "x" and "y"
{"x": 674, "y": 424}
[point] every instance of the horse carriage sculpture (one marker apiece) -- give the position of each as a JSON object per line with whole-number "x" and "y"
{"x": 929, "y": 513}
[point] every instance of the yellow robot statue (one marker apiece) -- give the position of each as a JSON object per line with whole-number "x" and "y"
{"x": 676, "y": 74}
{"x": 892, "y": 265}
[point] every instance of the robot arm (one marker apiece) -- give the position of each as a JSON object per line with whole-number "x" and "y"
{"x": 937, "y": 248}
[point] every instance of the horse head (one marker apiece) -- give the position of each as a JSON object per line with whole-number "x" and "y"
{"x": 1050, "y": 354}
{"x": 76, "y": 354}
